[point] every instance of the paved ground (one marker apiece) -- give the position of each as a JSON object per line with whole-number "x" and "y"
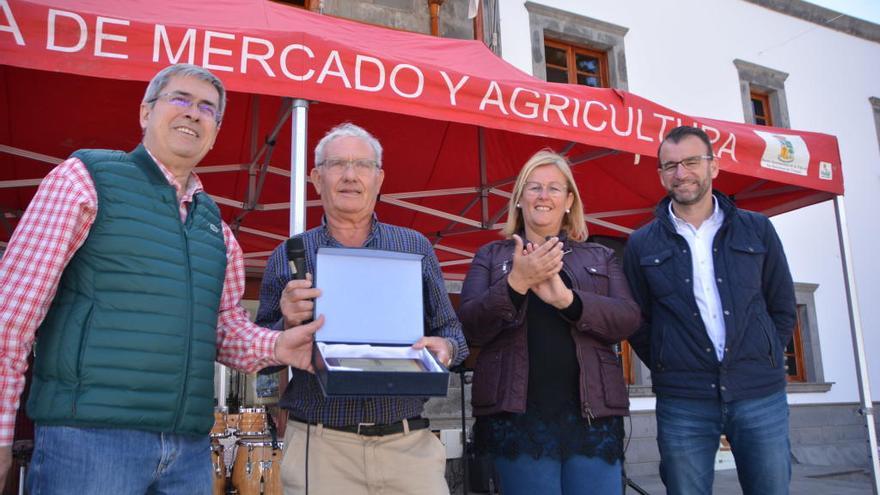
{"x": 805, "y": 480}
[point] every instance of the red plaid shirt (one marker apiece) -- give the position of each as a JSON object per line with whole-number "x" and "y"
{"x": 54, "y": 226}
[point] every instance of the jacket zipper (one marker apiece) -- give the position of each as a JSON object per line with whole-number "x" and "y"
{"x": 574, "y": 281}
{"x": 585, "y": 389}
{"x": 587, "y": 407}
{"x": 189, "y": 319}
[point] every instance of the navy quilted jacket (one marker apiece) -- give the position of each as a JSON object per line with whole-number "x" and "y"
{"x": 757, "y": 296}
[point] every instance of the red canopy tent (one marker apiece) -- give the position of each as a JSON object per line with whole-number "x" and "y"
{"x": 456, "y": 121}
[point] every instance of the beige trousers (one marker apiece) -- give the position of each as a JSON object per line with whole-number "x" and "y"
{"x": 342, "y": 463}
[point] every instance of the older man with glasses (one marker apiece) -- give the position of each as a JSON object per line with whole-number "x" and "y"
{"x": 357, "y": 445}
{"x": 131, "y": 281}
{"x": 718, "y": 310}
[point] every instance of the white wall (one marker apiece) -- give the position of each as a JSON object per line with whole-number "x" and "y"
{"x": 680, "y": 53}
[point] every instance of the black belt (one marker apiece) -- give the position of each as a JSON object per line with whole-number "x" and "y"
{"x": 374, "y": 430}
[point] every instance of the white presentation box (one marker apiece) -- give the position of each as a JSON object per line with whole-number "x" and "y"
{"x": 373, "y": 311}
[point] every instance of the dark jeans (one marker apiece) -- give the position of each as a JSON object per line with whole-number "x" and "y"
{"x": 578, "y": 475}
{"x": 688, "y": 432}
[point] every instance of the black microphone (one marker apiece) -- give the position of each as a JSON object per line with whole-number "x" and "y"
{"x": 296, "y": 260}
{"x": 296, "y": 257}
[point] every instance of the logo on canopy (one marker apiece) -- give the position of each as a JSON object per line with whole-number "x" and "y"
{"x": 825, "y": 171}
{"x": 785, "y": 152}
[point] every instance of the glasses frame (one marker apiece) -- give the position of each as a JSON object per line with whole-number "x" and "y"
{"x": 672, "y": 165}
{"x": 544, "y": 187}
{"x": 339, "y": 165}
{"x": 206, "y": 109}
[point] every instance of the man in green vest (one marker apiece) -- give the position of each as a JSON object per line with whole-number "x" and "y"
{"x": 123, "y": 270}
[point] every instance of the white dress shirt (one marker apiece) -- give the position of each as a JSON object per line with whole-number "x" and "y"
{"x": 705, "y": 291}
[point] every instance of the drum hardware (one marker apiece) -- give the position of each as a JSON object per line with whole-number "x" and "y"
{"x": 257, "y": 467}
{"x": 251, "y": 464}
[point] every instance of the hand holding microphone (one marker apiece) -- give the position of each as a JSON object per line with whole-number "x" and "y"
{"x": 294, "y": 346}
{"x": 297, "y": 298}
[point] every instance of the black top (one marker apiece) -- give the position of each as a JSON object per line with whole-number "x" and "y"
{"x": 552, "y": 425}
{"x": 553, "y": 366}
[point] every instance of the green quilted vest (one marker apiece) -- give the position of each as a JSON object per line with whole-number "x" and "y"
{"x": 130, "y": 338}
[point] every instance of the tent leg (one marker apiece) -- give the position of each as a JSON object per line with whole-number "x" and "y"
{"x": 867, "y": 409}
{"x": 484, "y": 194}
{"x": 298, "y": 161}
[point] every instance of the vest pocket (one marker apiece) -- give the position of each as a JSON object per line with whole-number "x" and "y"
{"x": 487, "y": 378}
{"x": 83, "y": 342}
{"x": 80, "y": 356}
{"x": 613, "y": 384}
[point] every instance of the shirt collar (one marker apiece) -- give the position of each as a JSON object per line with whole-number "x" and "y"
{"x": 327, "y": 237}
{"x": 717, "y": 215}
{"x": 193, "y": 183}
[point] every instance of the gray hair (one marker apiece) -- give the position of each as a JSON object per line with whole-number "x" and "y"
{"x": 347, "y": 129}
{"x": 164, "y": 76}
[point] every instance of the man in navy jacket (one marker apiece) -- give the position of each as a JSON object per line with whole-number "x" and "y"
{"x": 718, "y": 309}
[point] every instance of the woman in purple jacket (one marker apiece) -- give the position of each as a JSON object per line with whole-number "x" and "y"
{"x": 546, "y": 309}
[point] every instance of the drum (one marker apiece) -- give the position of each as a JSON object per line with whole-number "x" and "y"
{"x": 220, "y": 429}
{"x": 232, "y": 421}
{"x": 257, "y": 468}
{"x": 252, "y": 422}
{"x": 218, "y": 465}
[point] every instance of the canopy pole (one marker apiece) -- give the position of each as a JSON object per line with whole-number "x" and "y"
{"x": 255, "y": 129}
{"x": 298, "y": 161}
{"x": 855, "y": 324}
{"x": 484, "y": 193}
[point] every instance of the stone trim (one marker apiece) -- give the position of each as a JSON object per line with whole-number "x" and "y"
{"x": 640, "y": 390}
{"x": 827, "y": 18}
{"x": 791, "y": 388}
{"x": 766, "y": 80}
{"x": 808, "y": 388}
{"x": 579, "y": 30}
{"x": 453, "y": 286}
{"x": 804, "y": 294}
{"x": 875, "y": 103}
{"x": 405, "y": 15}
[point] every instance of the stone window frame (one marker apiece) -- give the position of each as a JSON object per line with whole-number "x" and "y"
{"x": 581, "y": 31}
{"x": 771, "y": 82}
{"x": 812, "y": 350}
{"x": 875, "y": 104}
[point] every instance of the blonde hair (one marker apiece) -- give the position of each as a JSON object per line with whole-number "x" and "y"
{"x": 573, "y": 223}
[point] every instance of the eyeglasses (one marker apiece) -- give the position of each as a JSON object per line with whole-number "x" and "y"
{"x": 339, "y": 165}
{"x": 554, "y": 189}
{"x": 689, "y": 163}
{"x": 184, "y": 101}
